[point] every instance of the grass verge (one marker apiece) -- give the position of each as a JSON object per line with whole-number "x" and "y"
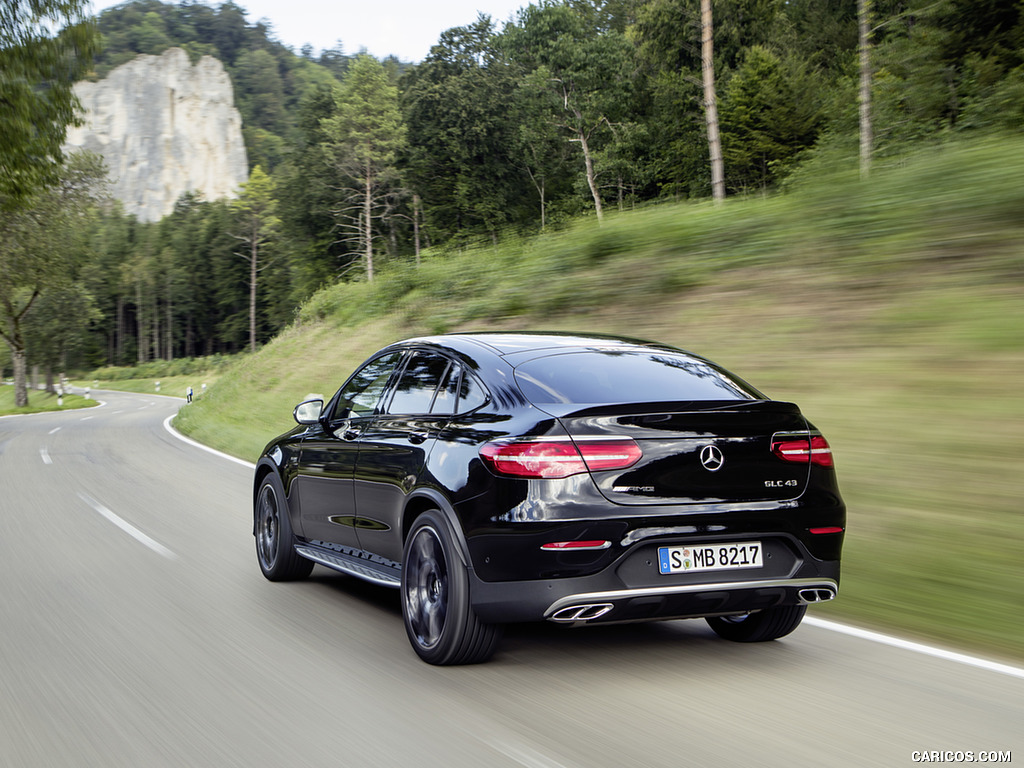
{"x": 175, "y": 386}
{"x": 39, "y": 402}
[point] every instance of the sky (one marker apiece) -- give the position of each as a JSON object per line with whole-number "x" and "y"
{"x": 404, "y": 28}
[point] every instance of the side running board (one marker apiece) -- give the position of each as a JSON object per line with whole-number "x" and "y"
{"x": 360, "y": 567}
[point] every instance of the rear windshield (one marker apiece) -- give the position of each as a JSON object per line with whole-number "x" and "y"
{"x": 627, "y": 377}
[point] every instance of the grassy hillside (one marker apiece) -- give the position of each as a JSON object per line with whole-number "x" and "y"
{"x": 892, "y": 311}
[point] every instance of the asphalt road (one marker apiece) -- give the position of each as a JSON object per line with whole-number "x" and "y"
{"x": 136, "y": 630}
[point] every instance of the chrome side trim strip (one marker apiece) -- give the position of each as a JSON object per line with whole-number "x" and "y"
{"x": 348, "y": 565}
{"x": 726, "y": 586}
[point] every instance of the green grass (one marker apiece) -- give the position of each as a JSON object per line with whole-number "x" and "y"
{"x": 891, "y": 310}
{"x": 165, "y": 377}
{"x": 175, "y": 386}
{"x": 39, "y": 402}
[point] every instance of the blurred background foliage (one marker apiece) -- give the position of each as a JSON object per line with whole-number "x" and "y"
{"x": 484, "y": 152}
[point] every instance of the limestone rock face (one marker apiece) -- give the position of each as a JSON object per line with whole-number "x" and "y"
{"x": 164, "y": 127}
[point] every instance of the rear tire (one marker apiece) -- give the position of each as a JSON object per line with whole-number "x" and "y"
{"x": 439, "y": 618}
{"x": 769, "y": 624}
{"x": 275, "y": 541}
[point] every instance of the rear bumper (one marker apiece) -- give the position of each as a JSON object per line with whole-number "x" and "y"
{"x": 629, "y": 585}
{"x": 597, "y": 599}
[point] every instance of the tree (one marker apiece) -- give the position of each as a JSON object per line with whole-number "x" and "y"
{"x": 38, "y": 67}
{"x": 260, "y": 91}
{"x": 585, "y": 69}
{"x": 457, "y": 106}
{"x": 685, "y": 45}
{"x": 38, "y": 249}
{"x": 365, "y": 136}
{"x": 666, "y": 34}
{"x": 305, "y": 185}
{"x": 538, "y": 145}
{"x": 864, "y": 89}
{"x": 59, "y": 324}
{"x": 257, "y": 210}
{"x": 707, "y": 56}
{"x": 770, "y": 113}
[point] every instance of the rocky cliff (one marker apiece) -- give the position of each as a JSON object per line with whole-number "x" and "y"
{"x": 164, "y": 127}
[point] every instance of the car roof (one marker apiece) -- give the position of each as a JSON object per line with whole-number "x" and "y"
{"x": 515, "y": 343}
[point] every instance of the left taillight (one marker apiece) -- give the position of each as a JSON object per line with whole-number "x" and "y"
{"x": 560, "y": 457}
{"x": 813, "y": 449}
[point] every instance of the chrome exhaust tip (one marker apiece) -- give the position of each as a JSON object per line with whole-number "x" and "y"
{"x": 816, "y": 595}
{"x": 586, "y": 612}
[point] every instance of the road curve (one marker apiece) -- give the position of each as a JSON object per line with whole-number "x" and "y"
{"x": 136, "y": 630}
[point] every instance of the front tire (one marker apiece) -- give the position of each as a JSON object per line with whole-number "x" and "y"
{"x": 275, "y": 541}
{"x": 769, "y": 624}
{"x": 439, "y": 618}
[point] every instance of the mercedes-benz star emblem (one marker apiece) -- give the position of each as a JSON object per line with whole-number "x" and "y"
{"x": 711, "y": 458}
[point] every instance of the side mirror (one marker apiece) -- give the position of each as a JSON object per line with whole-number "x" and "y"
{"x": 309, "y": 411}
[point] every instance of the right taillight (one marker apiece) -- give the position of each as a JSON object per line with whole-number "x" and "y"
{"x": 813, "y": 449}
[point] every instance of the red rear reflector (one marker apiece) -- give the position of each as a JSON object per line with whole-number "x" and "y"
{"x": 560, "y": 545}
{"x": 814, "y": 450}
{"x": 559, "y": 458}
{"x": 830, "y": 529}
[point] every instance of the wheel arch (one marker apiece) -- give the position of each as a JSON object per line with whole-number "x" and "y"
{"x": 263, "y": 468}
{"x": 425, "y": 498}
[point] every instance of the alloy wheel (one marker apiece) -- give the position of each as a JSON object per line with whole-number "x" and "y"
{"x": 426, "y": 593}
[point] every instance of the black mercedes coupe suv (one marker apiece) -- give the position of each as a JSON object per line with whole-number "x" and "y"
{"x": 510, "y": 477}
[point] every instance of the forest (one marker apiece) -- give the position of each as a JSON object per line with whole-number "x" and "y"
{"x": 580, "y": 108}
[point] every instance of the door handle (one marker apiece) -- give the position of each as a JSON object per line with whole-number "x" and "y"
{"x": 416, "y": 438}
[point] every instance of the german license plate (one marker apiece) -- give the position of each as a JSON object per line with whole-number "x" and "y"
{"x": 710, "y": 557}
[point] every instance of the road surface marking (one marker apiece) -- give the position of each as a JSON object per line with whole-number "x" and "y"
{"x": 86, "y": 418}
{"x": 128, "y": 528}
{"x": 910, "y": 645}
{"x": 526, "y": 756}
{"x": 190, "y": 441}
{"x": 45, "y": 455}
{"x": 54, "y": 430}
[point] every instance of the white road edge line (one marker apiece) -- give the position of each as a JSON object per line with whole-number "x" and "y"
{"x": 128, "y": 528}
{"x": 910, "y": 645}
{"x": 45, "y": 456}
{"x": 832, "y": 626}
{"x": 208, "y": 449}
{"x": 527, "y": 757}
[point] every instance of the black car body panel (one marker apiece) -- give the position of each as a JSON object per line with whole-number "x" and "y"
{"x": 568, "y": 468}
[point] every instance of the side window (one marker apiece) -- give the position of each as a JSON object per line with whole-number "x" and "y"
{"x": 444, "y": 403}
{"x": 359, "y": 397}
{"x": 415, "y": 389}
{"x": 471, "y": 394}
{"x": 460, "y": 392}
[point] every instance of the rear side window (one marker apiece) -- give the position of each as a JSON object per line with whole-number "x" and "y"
{"x": 471, "y": 394}
{"x": 461, "y": 387}
{"x": 627, "y": 377}
{"x": 419, "y": 381}
{"x": 444, "y": 402}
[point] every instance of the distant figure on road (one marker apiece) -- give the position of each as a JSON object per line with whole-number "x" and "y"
{"x": 188, "y": 394}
